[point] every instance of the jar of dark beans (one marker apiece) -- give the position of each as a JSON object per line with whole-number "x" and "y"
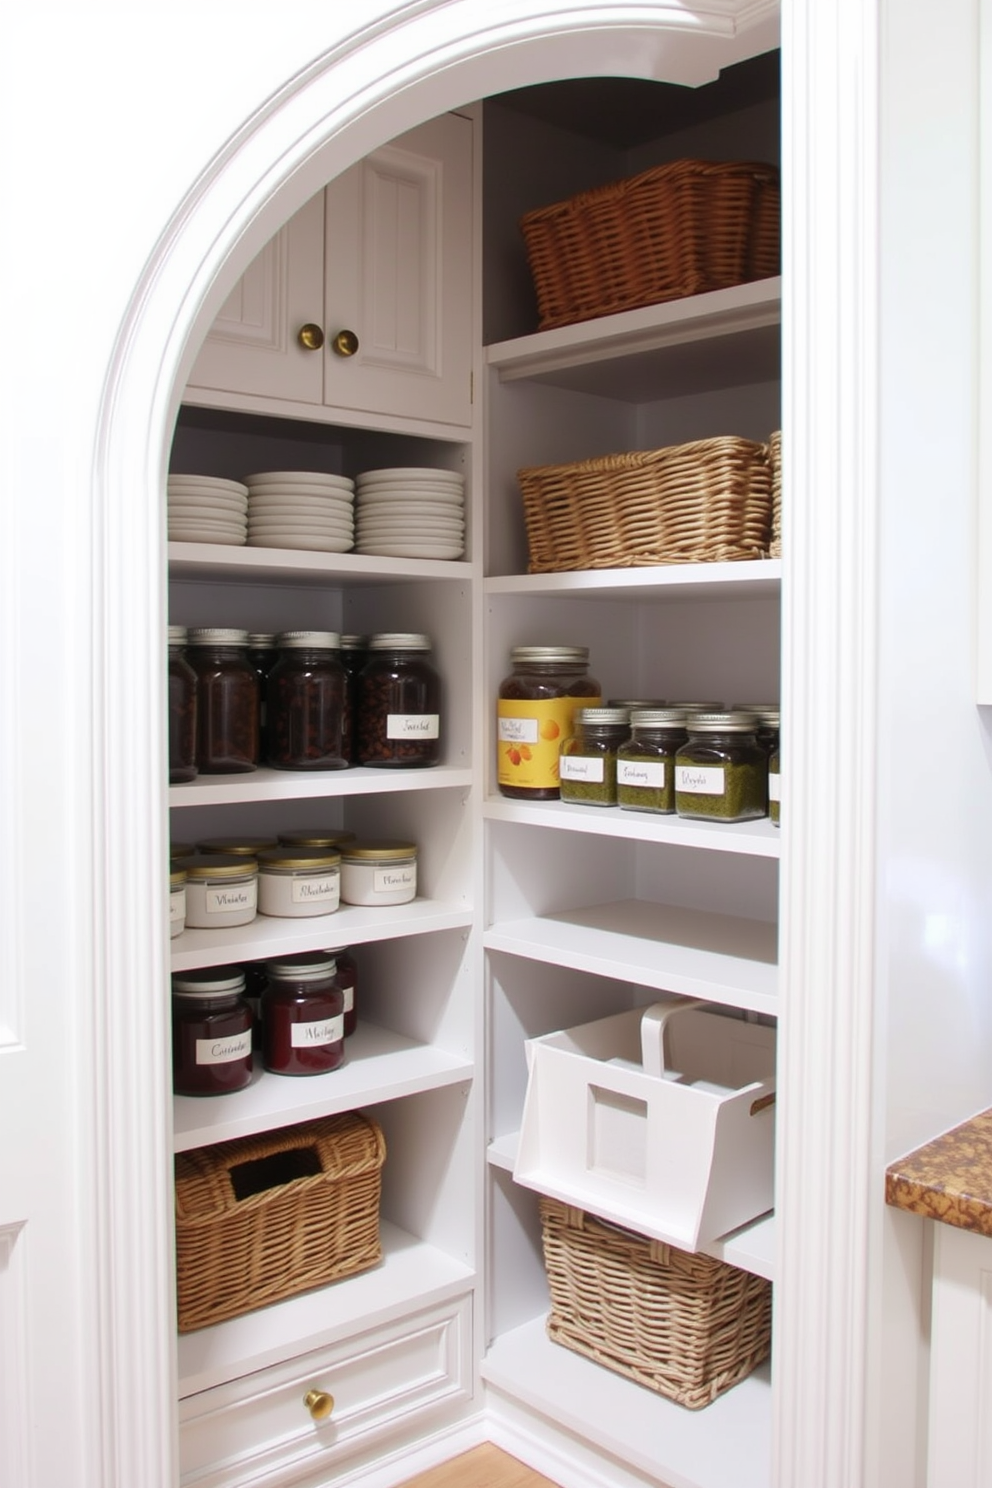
{"x": 354, "y": 655}
{"x": 646, "y": 762}
{"x": 211, "y": 1032}
{"x": 226, "y": 701}
{"x": 306, "y": 703}
{"x": 182, "y": 709}
{"x": 262, "y": 655}
{"x": 587, "y": 765}
{"x": 399, "y": 703}
{"x": 302, "y": 1015}
{"x": 534, "y": 716}
{"x": 721, "y": 772}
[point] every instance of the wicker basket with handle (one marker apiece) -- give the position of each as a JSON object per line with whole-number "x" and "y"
{"x": 262, "y": 1218}
{"x": 675, "y": 230}
{"x": 708, "y": 501}
{"x": 685, "y": 1325}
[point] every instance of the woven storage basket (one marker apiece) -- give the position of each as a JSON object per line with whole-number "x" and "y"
{"x": 775, "y": 467}
{"x": 675, "y": 230}
{"x": 705, "y": 502}
{"x": 263, "y": 1218}
{"x": 685, "y": 1325}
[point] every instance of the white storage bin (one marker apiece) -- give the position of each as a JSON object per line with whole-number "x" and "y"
{"x": 660, "y": 1119}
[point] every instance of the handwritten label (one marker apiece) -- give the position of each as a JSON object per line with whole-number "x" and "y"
{"x": 238, "y": 896}
{"x": 224, "y": 1050}
{"x": 317, "y": 890}
{"x": 774, "y": 787}
{"x": 413, "y": 725}
{"x": 643, "y": 774}
{"x": 316, "y": 1033}
{"x": 582, "y": 767}
{"x": 394, "y": 880}
{"x": 700, "y": 780}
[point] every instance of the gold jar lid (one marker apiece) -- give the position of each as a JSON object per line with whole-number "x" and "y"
{"x": 364, "y": 852}
{"x": 219, "y": 865}
{"x": 299, "y": 857}
{"x": 316, "y": 837}
{"x": 242, "y": 847}
{"x": 181, "y": 850}
{"x": 177, "y": 877}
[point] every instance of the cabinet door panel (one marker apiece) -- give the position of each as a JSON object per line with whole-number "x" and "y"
{"x": 399, "y": 266}
{"x": 253, "y": 347}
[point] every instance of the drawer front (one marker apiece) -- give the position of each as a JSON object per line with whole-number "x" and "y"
{"x": 258, "y": 1430}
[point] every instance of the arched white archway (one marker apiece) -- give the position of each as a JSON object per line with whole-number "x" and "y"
{"x": 418, "y": 60}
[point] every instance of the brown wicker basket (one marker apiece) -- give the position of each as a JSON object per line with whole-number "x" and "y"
{"x": 685, "y": 1325}
{"x": 705, "y": 502}
{"x": 775, "y": 466}
{"x": 675, "y": 230}
{"x": 262, "y": 1218}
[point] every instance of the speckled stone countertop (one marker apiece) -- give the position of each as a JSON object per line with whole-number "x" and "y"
{"x": 949, "y": 1179}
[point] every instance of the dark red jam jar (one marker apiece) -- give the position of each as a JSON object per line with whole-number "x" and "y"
{"x": 348, "y": 982}
{"x": 227, "y": 701}
{"x": 211, "y": 1032}
{"x": 302, "y": 1015}
{"x": 182, "y": 709}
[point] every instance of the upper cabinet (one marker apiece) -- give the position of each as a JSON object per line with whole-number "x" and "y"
{"x": 358, "y": 305}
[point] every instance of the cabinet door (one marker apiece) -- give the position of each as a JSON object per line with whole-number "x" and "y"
{"x": 399, "y": 275}
{"x": 253, "y": 346}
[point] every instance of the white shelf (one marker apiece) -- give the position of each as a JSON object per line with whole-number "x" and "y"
{"x": 722, "y": 958}
{"x": 352, "y": 924}
{"x": 279, "y": 565}
{"x": 412, "y": 1274}
{"x": 379, "y": 1065}
{"x": 725, "y": 1445}
{"x": 658, "y": 351}
{"x": 759, "y": 839}
{"x": 310, "y": 785}
{"x": 753, "y": 579}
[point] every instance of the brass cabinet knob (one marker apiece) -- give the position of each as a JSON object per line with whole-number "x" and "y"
{"x": 311, "y": 336}
{"x": 319, "y": 1404}
{"x": 345, "y": 343}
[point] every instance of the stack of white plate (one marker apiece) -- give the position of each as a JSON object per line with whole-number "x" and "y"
{"x": 301, "y": 509}
{"x": 207, "y": 509}
{"x": 410, "y": 513}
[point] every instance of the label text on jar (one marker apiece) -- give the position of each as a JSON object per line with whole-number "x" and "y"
{"x": 412, "y": 725}
{"x": 649, "y": 773}
{"x": 700, "y": 780}
{"x": 223, "y": 1050}
{"x": 315, "y": 890}
{"x": 581, "y": 767}
{"x": 222, "y": 901}
{"x": 319, "y": 1031}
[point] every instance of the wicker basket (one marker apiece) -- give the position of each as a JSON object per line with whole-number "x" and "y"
{"x": 685, "y": 1325}
{"x": 675, "y": 230}
{"x": 775, "y": 466}
{"x": 706, "y": 502}
{"x": 260, "y": 1219}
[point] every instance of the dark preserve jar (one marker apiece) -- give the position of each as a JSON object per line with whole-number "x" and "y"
{"x": 302, "y": 1015}
{"x": 646, "y": 763}
{"x": 211, "y": 1032}
{"x": 226, "y": 702}
{"x": 354, "y": 655}
{"x": 348, "y": 982}
{"x": 306, "y": 703}
{"x": 182, "y": 709}
{"x": 262, "y": 656}
{"x": 399, "y": 703}
{"x": 534, "y": 716}
{"x": 721, "y": 771}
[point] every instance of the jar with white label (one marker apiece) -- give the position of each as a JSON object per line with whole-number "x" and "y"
{"x": 177, "y": 900}
{"x": 398, "y": 718}
{"x": 775, "y": 789}
{"x": 537, "y": 702}
{"x": 302, "y": 1015}
{"x": 721, "y": 772}
{"x": 587, "y": 765}
{"x": 298, "y": 882}
{"x": 221, "y": 890}
{"x": 211, "y": 1032}
{"x": 378, "y": 873}
{"x": 646, "y": 762}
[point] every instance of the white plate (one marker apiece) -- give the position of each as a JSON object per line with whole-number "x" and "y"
{"x": 227, "y": 512}
{"x": 382, "y": 510}
{"x": 302, "y": 541}
{"x": 281, "y": 478}
{"x": 208, "y": 482}
{"x": 289, "y": 524}
{"x": 189, "y": 525}
{"x": 410, "y": 531}
{"x": 304, "y": 503}
{"x": 216, "y": 539}
{"x": 410, "y": 550}
{"x": 411, "y": 474}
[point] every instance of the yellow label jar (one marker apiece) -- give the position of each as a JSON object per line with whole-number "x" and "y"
{"x": 534, "y": 716}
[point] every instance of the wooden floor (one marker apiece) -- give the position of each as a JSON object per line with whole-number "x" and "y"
{"x": 483, "y": 1467}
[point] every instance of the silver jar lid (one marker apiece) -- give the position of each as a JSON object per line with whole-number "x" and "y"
{"x": 601, "y": 715}
{"x": 305, "y": 966}
{"x": 214, "y": 981}
{"x": 399, "y": 640}
{"x": 648, "y": 718}
{"x": 354, "y": 642}
{"x": 261, "y": 641}
{"x": 722, "y": 723}
{"x": 178, "y": 635}
{"x": 309, "y": 640}
{"x": 577, "y": 654}
{"x": 217, "y": 636}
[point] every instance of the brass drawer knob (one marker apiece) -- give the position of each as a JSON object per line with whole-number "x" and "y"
{"x": 319, "y": 1404}
{"x": 345, "y": 343}
{"x": 311, "y": 337}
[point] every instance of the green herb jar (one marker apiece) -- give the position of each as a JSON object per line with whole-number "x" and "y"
{"x": 721, "y": 772}
{"x": 587, "y": 765}
{"x": 646, "y": 762}
{"x": 768, "y": 718}
{"x": 774, "y": 783}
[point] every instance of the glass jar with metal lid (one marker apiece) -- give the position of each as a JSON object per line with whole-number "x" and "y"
{"x": 587, "y": 765}
{"x": 211, "y": 1032}
{"x": 768, "y": 717}
{"x": 226, "y": 701}
{"x": 398, "y": 721}
{"x": 306, "y": 704}
{"x": 302, "y": 1015}
{"x": 297, "y": 882}
{"x": 177, "y": 900}
{"x": 721, "y": 772}
{"x": 354, "y": 655}
{"x": 534, "y": 715}
{"x": 182, "y": 709}
{"x": 775, "y": 788}
{"x": 378, "y": 873}
{"x": 646, "y": 762}
{"x": 262, "y": 655}
{"x": 221, "y": 890}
